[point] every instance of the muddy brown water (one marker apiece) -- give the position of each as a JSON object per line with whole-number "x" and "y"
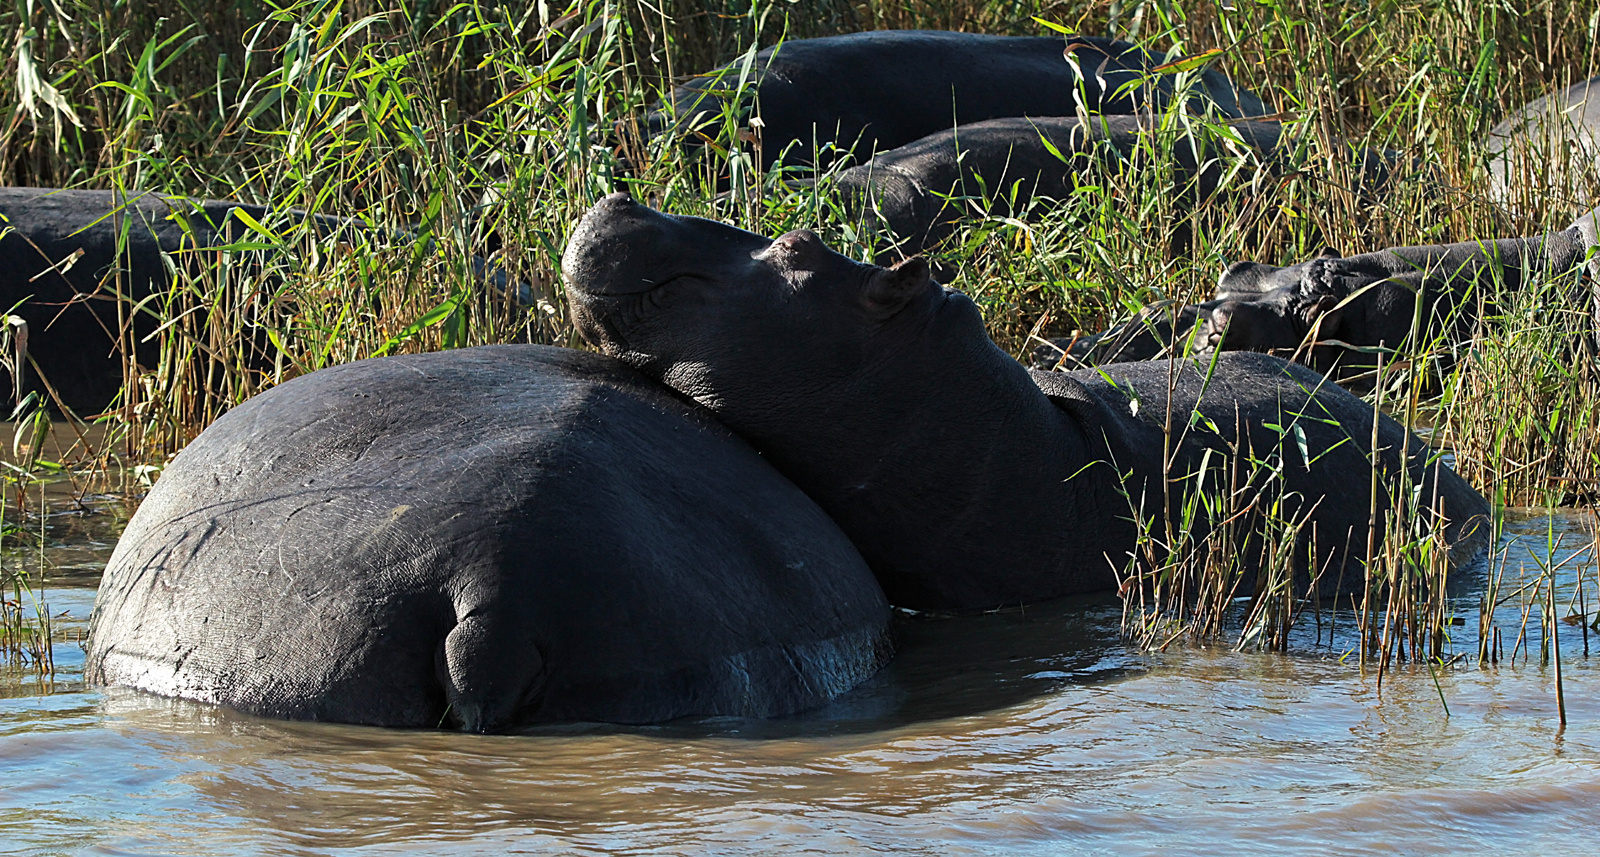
{"x": 1025, "y": 732}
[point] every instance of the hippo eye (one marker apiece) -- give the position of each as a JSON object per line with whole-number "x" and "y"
{"x": 676, "y": 279}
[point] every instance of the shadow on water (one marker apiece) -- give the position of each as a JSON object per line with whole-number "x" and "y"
{"x": 982, "y": 718}
{"x": 949, "y": 666}
{"x": 946, "y": 666}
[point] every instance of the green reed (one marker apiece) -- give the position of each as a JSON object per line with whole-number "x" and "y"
{"x": 480, "y": 129}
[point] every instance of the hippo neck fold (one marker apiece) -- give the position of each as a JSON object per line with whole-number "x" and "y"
{"x": 945, "y": 417}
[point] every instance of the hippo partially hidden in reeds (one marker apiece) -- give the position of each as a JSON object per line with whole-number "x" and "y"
{"x": 1345, "y": 313}
{"x": 1548, "y": 147}
{"x": 964, "y": 480}
{"x": 864, "y": 92}
{"x": 482, "y": 538}
{"x": 87, "y": 271}
{"x": 1341, "y": 315}
{"x": 922, "y": 191}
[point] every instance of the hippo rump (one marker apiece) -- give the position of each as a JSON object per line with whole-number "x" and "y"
{"x": 1533, "y": 151}
{"x": 71, "y": 253}
{"x": 884, "y": 89}
{"x": 483, "y": 538}
{"x": 921, "y": 191}
{"x": 965, "y": 480}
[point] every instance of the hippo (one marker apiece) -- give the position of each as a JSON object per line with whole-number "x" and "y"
{"x": 965, "y": 480}
{"x": 884, "y": 89}
{"x": 921, "y": 191}
{"x": 483, "y": 538}
{"x": 1344, "y": 313}
{"x": 1532, "y": 149}
{"x": 1341, "y": 314}
{"x": 70, "y": 252}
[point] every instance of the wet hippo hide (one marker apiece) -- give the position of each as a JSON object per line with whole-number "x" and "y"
{"x": 870, "y": 91}
{"x": 72, "y": 256}
{"x": 483, "y": 538}
{"x": 965, "y": 480}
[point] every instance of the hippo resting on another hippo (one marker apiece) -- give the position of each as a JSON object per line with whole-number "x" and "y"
{"x": 879, "y": 90}
{"x": 68, "y": 254}
{"x": 483, "y": 538}
{"x": 965, "y": 480}
{"x": 1340, "y": 314}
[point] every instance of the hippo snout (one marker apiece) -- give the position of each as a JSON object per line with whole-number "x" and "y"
{"x": 623, "y": 248}
{"x": 612, "y": 250}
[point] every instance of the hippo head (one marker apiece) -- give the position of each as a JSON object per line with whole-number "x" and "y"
{"x": 1292, "y": 312}
{"x": 1246, "y": 279}
{"x": 725, "y": 315}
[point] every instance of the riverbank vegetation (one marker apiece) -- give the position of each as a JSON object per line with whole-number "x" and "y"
{"x": 486, "y": 129}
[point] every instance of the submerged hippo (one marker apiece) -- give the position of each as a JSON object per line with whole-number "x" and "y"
{"x": 483, "y": 538}
{"x": 923, "y": 190}
{"x": 965, "y": 480}
{"x": 69, "y": 254}
{"x": 1549, "y": 146}
{"x": 879, "y": 90}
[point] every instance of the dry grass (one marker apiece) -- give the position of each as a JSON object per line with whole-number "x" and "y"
{"x": 486, "y": 129}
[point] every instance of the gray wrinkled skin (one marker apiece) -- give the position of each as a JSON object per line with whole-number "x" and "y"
{"x": 483, "y": 538}
{"x": 965, "y": 480}
{"x": 871, "y": 91}
{"x": 1542, "y": 138}
{"x": 66, "y": 253}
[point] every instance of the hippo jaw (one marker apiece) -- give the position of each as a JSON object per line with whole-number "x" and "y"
{"x": 719, "y": 313}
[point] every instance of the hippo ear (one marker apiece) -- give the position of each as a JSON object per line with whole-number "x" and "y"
{"x": 888, "y": 290}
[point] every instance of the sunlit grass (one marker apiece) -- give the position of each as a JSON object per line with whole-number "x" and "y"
{"x": 485, "y": 130}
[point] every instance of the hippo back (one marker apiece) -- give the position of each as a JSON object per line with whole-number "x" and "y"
{"x": 60, "y": 247}
{"x": 1545, "y": 139}
{"x": 482, "y": 537}
{"x": 879, "y": 90}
